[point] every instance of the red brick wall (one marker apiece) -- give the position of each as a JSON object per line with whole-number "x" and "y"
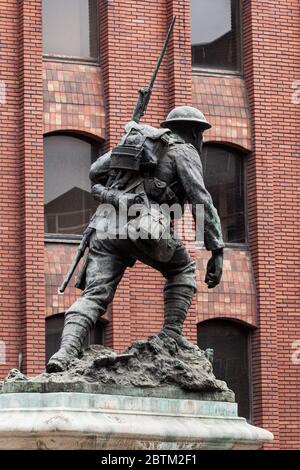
{"x": 10, "y": 277}
{"x": 271, "y": 55}
{"x": 22, "y": 283}
{"x": 286, "y": 182}
{"x": 128, "y": 58}
{"x": 179, "y": 71}
{"x": 223, "y": 100}
{"x": 32, "y": 186}
{"x": 58, "y": 258}
{"x": 235, "y": 297}
{"x": 73, "y": 99}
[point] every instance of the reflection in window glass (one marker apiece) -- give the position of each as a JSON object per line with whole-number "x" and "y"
{"x": 54, "y": 328}
{"x": 70, "y": 28}
{"x": 216, "y": 34}
{"x": 230, "y": 342}
{"x": 68, "y": 202}
{"x": 223, "y": 171}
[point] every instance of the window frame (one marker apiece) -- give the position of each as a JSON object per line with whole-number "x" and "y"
{"x": 70, "y": 238}
{"x": 71, "y": 59}
{"x": 198, "y": 70}
{"x": 244, "y": 155}
{"x": 78, "y": 59}
{"x": 251, "y": 330}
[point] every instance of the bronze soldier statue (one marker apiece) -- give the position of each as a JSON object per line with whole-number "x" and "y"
{"x": 150, "y": 167}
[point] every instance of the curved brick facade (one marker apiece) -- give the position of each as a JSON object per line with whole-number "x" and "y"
{"x": 73, "y": 99}
{"x": 224, "y": 103}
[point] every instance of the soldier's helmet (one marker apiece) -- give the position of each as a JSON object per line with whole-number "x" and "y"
{"x": 186, "y": 114}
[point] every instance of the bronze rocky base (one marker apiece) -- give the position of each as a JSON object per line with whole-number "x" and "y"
{"x": 157, "y": 367}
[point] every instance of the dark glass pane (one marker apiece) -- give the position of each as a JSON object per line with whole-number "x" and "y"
{"x": 215, "y": 28}
{"x": 70, "y": 28}
{"x": 230, "y": 342}
{"x": 68, "y": 202}
{"x": 54, "y": 328}
{"x": 223, "y": 172}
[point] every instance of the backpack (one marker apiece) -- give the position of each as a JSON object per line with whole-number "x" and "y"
{"x": 140, "y": 148}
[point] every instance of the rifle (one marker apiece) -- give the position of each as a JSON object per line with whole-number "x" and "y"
{"x": 80, "y": 253}
{"x": 145, "y": 93}
{"x": 140, "y": 109}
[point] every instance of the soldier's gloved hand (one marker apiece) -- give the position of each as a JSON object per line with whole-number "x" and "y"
{"x": 214, "y": 269}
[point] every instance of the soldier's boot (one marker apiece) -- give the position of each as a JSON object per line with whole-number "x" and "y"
{"x": 177, "y": 301}
{"x": 71, "y": 346}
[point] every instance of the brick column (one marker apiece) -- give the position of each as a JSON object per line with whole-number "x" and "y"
{"x": 9, "y": 189}
{"x": 180, "y": 68}
{"x": 132, "y": 35}
{"x": 31, "y": 194}
{"x": 286, "y": 172}
{"x": 259, "y": 30}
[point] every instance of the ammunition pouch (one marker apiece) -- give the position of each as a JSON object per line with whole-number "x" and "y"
{"x": 159, "y": 191}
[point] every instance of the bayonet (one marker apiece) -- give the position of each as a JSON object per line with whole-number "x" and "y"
{"x": 145, "y": 93}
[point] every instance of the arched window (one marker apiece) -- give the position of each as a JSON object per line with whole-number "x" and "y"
{"x": 68, "y": 202}
{"x": 216, "y": 34}
{"x": 231, "y": 344}
{"x": 70, "y": 28}
{"x": 223, "y": 170}
{"x": 54, "y": 328}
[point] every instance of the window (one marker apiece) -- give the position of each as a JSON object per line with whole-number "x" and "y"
{"x": 216, "y": 38}
{"x": 70, "y": 28}
{"x": 54, "y": 328}
{"x": 231, "y": 344}
{"x": 68, "y": 202}
{"x": 223, "y": 171}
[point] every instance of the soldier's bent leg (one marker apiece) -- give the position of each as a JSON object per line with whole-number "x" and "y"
{"x": 179, "y": 290}
{"x": 104, "y": 271}
{"x": 180, "y": 287}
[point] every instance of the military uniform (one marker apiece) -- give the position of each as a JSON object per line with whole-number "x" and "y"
{"x": 177, "y": 178}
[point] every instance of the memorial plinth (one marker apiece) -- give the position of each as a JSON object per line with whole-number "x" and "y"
{"x": 110, "y": 422}
{"x": 154, "y": 396}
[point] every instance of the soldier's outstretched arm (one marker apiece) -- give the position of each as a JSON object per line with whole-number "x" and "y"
{"x": 189, "y": 170}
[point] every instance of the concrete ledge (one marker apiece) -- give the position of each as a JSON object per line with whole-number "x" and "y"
{"x": 110, "y": 422}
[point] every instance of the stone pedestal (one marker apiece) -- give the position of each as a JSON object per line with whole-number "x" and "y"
{"x": 109, "y": 422}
